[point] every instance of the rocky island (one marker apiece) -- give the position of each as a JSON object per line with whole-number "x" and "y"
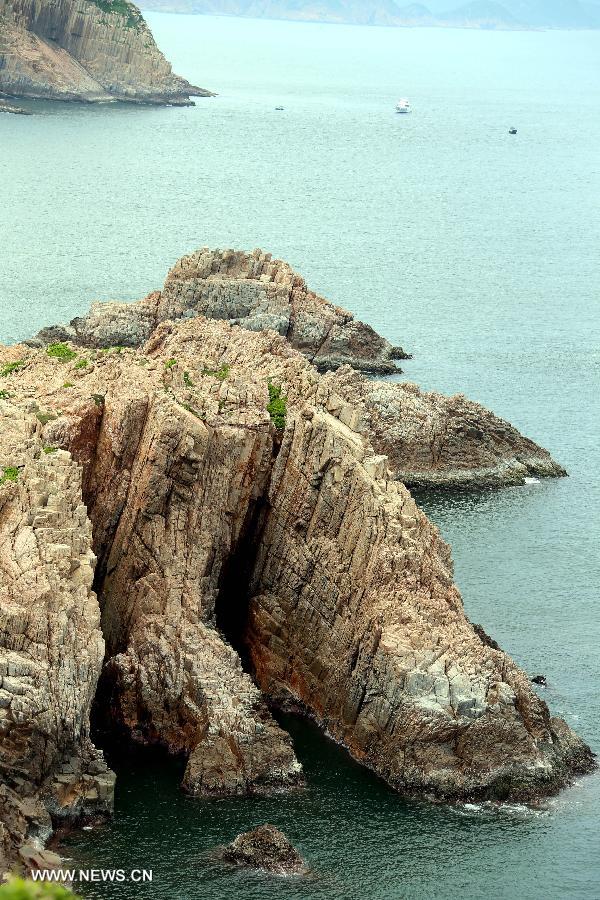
{"x": 198, "y": 493}
{"x": 95, "y": 51}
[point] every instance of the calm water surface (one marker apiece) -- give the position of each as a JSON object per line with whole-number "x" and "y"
{"x": 475, "y": 250}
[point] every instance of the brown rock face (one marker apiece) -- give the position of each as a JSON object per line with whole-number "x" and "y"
{"x": 431, "y": 440}
{"x": 51, "y": 647}
{"x": 354, "y": 617}
{"x": 210, "y": 524}
{"x": 92, "y": 50}
{"x": 436, "y": 441}
{"x": 247, "y": 289}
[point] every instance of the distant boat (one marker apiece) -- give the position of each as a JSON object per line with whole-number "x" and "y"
{"x": 512, "y": 131}
{"x": 279, "y": 107}
{"x": 403, "y": 106}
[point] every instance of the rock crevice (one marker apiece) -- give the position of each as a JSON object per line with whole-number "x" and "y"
{"x": 210, "y": 516}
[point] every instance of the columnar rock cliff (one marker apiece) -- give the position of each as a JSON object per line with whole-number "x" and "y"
{"x": 51, "y": 646}
{"x": 430, "y": 439}
{"x": 167, "y": 507}
{"x": 92, "y": 50}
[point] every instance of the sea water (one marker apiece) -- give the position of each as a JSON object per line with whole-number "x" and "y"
{"x": 474, "y": 249}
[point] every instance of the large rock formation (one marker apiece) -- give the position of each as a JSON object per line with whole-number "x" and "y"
{"x": 430, "y": 439}
{"x": 437, "y": 441}
{"x": 247, "y": 289}
{"x": 235, "y": 500}
{"x": 91, "y": 50}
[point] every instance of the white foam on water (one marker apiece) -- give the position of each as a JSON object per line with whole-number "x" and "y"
{"x": 532, "y": 481}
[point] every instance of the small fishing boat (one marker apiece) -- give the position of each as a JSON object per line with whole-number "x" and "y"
{"x": 512, "y": 130}
{"x": 403, "y": 106}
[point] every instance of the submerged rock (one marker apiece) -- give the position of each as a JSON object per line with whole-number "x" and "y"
{"x": 265, "y": 848}
{"x": 89, "y": 50}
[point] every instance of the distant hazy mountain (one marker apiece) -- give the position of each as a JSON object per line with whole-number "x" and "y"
{"x": 474, "y": 14}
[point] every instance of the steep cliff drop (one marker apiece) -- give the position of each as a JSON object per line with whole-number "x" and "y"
{"x": 210, "y": 486}
{"x": 87, "y": 50}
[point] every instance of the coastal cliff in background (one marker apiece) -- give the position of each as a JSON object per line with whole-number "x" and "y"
{"x": 210, "y": 493}
{"x": 87, "y": 50}
{"x": 485, "y": 14}
{"x": 431, "y": 440}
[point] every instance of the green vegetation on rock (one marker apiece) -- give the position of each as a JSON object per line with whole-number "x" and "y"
{"x": 11, "y": 367}
{"x": 61, "y": 351}
{"x": 9, "y": 473}
{"x": 129, "y": 13}
{"x": 81, "y": 364}
{"x": 221, "y": 373}
{"x": 18, "y": 889}
{"x": 277, "y": 406}
{"x": 45, "y": 417}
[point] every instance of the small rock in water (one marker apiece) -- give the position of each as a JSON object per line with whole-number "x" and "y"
{"x": 539, "y": 679}
{"x": 265, "y": 848}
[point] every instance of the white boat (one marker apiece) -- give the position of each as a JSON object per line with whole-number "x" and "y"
{"x": 403, "y": 106}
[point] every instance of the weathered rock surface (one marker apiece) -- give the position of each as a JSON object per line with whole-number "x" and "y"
{"x": 247, "y": 289}
{"x": 209, "y": 524}
{"x": 265, "y": 848}
{"x": 431, "y": 440}
{"x": 51, "y": 646}
{"x": 90, "y": 50}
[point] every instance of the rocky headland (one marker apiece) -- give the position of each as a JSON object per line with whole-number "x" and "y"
{"x": 431, "y": 440}
{"x": 207, "y": 496}
{"x": 86, "y": 50}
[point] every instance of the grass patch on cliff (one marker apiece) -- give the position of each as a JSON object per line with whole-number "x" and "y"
{"x": 45, "y": 417}
{"x": 221, "y": 373}
{"x": 81, "y": 364}
{"x": 9, "y": 473}
{"x": 133, "y": 19}
{"x": 277, "y": 406}
{"x": 61, "y": 351}
{"x": 11, "y": 367}
{"x": 5, "y": 395}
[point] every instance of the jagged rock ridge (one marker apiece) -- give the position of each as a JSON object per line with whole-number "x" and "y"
{"x": 430, "y": 439}
{"x": 90, "y": 50}
{"x": 299, "y": 544}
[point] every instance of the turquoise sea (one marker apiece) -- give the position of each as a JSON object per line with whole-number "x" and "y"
{"x": 478, "y": 252}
